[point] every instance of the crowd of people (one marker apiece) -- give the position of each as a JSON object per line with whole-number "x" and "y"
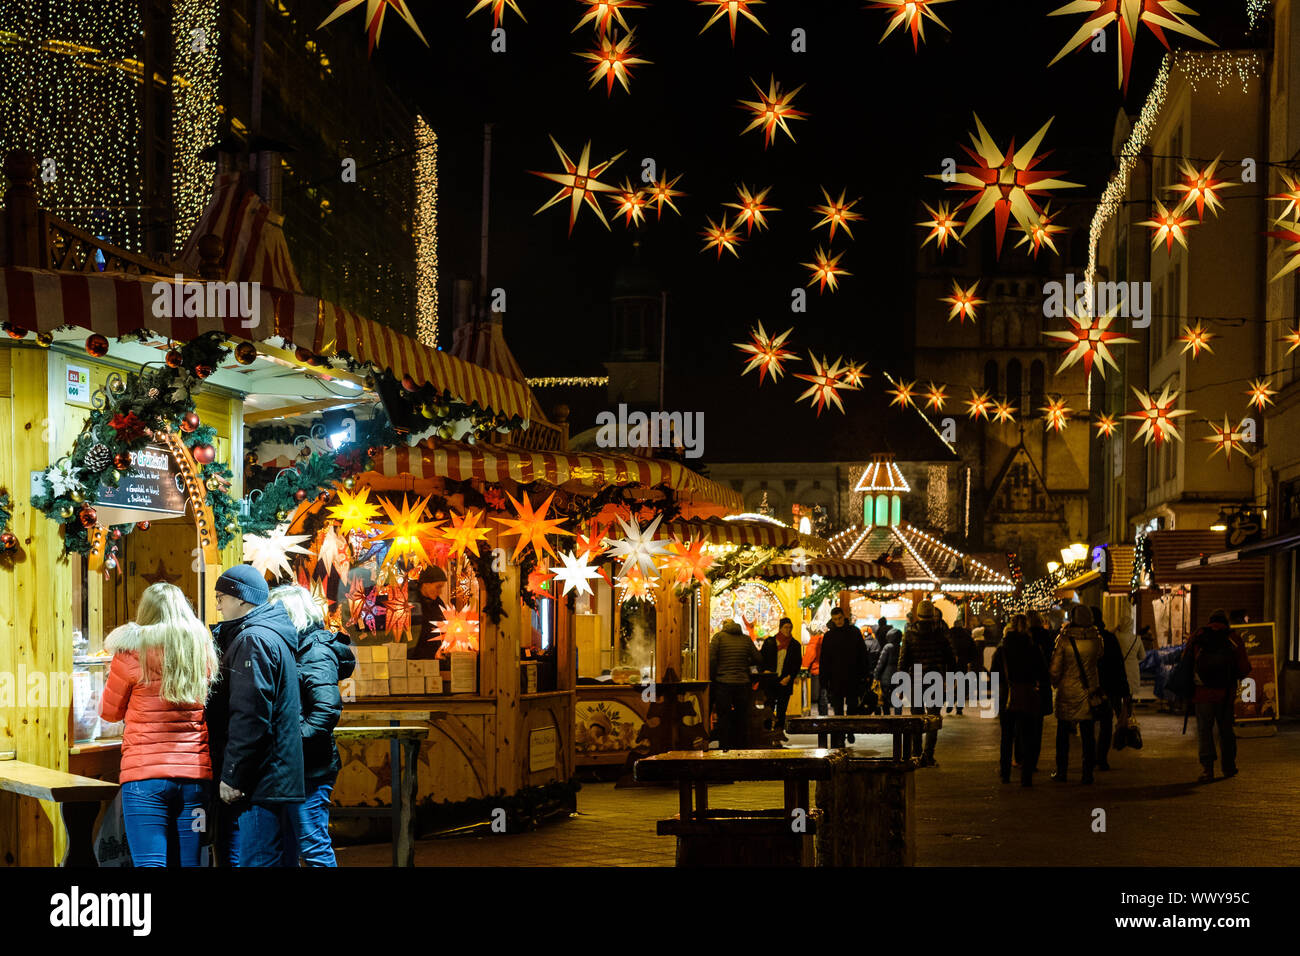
{"x": 251, "y": 704}
{"x": 1068, "y": 664}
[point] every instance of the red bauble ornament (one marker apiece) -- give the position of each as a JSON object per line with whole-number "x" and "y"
{"x": 245, "y": 353}
{"x": 372, "y": 451}
{"x": 14, "y": 332}
{"x": 303, "y": 355}
{"x": 189, "y": 422}
{"x": 204, "y": 454}
{"x": 97, "y": 345}
{"x": 122, "y": 461}
{"x": 203, "y": 371}
{"x": 88, "y": 517}
{"x": 115, "y": 533}
{"x": 173, "y": 359}
{"x": 408, "y": 383}
{"x": 8, "y": 541}
{"x": 142, "y": 525}
{"x": 300, "y": 495}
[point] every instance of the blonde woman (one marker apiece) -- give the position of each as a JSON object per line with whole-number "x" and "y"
{"x": 324, "y": 659}
{"x": 163, "y": 666}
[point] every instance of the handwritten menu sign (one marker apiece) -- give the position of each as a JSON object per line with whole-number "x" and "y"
{"x": 151, "y": 489}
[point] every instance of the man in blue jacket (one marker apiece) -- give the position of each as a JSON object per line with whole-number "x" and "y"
{"x": 254, "y": 720}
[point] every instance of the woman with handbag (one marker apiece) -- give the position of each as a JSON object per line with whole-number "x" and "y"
{"x": 1021, "y": 671}
{"x": 1078, "y": 690}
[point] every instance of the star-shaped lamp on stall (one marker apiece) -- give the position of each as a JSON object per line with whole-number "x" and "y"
{"x": 532, "y": 527}
{"x": 458, "y": 630}
{"x": 687, "y": 562}
{"x": 638, "y": 547}
{"x": 465, "y": 533}
{"x": 269, "y": 553}
{"x": 354, "y": 512}
{"x": 406, "y": 533}
{"x": 575, "y": 572}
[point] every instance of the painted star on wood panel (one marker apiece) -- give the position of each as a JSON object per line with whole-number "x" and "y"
{"x": 1090, "y": 339}
{"x": 731, "y": 9}
{"x": 826, "y": 383}
{"x": 935, "y": 396}
{"x": 753, "y": 211}
{"x": 532, "y": 527}
{"x": 498, "y": 8}
{"x": 1168, "y": 226}
{"x": 724, "y": 236}
{"x": 1201, "y": 187}
{"x": 767, "y": 353}
{"x": 630, "y": 204}
{"x": 910, "y": 14}
{"x": 963, "y": 302}
{"x": 375, "y": 10}
{"x": 1227, "y": 440}
{"x": 1261, "y": 393}
{"x": 836, "y": 212}
{"x": 578, "y": 183}
{"x": 772, "y": 110}
{"x": 600, "y": 12}
{"x": 1157, "y": 416}
{"x": 825, "y": 270}
{"x": 943, "y": 225}
{"x": 1196, "y": 339}
{"x": 661, "y": 191}
{"x": 612, "y": 60}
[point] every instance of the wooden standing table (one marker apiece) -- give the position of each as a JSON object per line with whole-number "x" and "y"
{"x": 907, "y": 730}
{"x": 79, "y": 800}
{"x": 405, "y": 781}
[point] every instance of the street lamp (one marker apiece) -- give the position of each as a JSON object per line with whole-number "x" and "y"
{"x": 1053, "y": 567}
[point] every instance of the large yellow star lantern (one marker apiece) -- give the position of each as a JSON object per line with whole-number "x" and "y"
{"x": 766, "y": 352}
{"x": 1004, "y": 184}
{"x": 826, "y": 383}
{"x": 911, "y": 14}
{"x": 578, "y": 183}
{"x": 1090, "y": 339}
{"x": 612, "y": 58}
{"x": 375, "y": 10}
{"x": 1157, "y": 416}
{"x": 354, "y": 512}
{"x": 731, "y": 9}
{"x": 532, "y": 527}
{"x": 772, "y": 110}
{"x": 465, "y": 533}
{"x": 407, "y": 532}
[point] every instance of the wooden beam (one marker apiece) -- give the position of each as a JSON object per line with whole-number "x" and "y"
{"x": 308, "y": 408}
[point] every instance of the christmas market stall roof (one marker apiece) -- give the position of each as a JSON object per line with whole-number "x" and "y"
{"x": 919, "y": 560}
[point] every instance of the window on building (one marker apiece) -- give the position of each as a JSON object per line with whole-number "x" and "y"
{"x": 991, "y": 377}
{"x": 1015, "y": 387}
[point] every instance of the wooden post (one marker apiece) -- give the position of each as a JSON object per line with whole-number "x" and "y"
{"x": 23, "y": 243}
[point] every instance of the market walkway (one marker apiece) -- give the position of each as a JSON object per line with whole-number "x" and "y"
{"x": 1155, "y": 814}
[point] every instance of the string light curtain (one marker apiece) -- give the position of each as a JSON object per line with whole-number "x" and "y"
{"x": 426, "y": 234}
{"x": 196, "y": 75}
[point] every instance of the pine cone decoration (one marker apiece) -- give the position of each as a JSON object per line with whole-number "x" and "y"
{"x": 98, "y": 458}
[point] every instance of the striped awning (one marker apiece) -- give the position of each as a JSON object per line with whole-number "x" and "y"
{"x": 460, "y": 462}
{"x": 720, "y": 531}
{"x": 852, "y": 571}
{"x": 251, "y": 233}
{"x": 114, "y": 304}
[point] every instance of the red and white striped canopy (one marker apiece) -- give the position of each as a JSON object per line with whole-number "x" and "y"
{"x": 829, "y": 568}
{"x": 720, "y": 531}
{"x": 252, "y": 237}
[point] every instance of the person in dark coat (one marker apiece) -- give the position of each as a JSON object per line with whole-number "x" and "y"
{"x": 260, "y": 753}
{"x": 1114, "y": 681}
{"x": 427, "y": 612}
{"x": 963, "y": 648}
{"x": 925, "y": 644}
{"x": 1218, "y": 662}
{"x": 843, "y": 664}
{"x": 324, "y": 658}
{"x": 731, "y": 656}
{"x": 1022, "y": 672}
{"x": 782, "y": 661}
{"x": 887, "y": 666}
{"x": 870, "y": 703}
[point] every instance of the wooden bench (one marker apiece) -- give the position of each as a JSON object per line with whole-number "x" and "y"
{"x": 907, "y": 730}
{"x": 405, "y": 763}
{"x": 79, "y": 800}
{"x": 708, "y": 836}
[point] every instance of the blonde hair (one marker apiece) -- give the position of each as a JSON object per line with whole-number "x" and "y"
{"x": 165, "y": 618}
{"x": 303, "y": 609}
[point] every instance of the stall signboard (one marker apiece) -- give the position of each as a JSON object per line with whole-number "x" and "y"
{"x": 77, "y": 386}
{"x": 541, "y": 748}
{"x": 1261, "y": 686}
{"x": 152, "y": 489}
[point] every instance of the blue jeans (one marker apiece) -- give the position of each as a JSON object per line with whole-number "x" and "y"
{"x": 227, "y": 848}
{"x": 165, "y": 820}
{"x": 263, "y": 829}
{"x": 308, "y": 832}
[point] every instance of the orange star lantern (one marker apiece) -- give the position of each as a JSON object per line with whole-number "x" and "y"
{"x": 1056, "y": 414}
{"x": 901, "y": 394}
{"x": 1168, "y": 226}
{"x": 753, "y": 211}
{"x": 1292, "y": 251}
{"x": 1261, "y": 393}
{"x": 1090, "y": 339}
{"x": 825, "y": 270}
{"x": 630, "y": 203}
{"x": 636, "y": 585}
{"x": 771, "y": 111}
{"x": 721, "y": 237}
{"x": 465, "y": 533}
{"x": 963, "y": 302}
{"x": 612, "y": 59}
{"x": 600, "y": 12}
{"x": 1200, "y": 186}
{"x": 767, "y": 352}
{"x": 661, "y": 191}
{"x": 935, "y": 396}
{"x": 826, "y": 384}
{"x": 458, "y": 630}
{"x": 1157, "y": 416}
{"x": 532, "y": 527}
{"x": 1292, "y": 338}
{"x": 686, "y": 562}
{"x": 1227, "y": 440}
{"x": 1196, "y": 339}
{"x": 1105, "y": 425}
{"x": 498, "y": 8}
{"x": 731, "y": 9}
{"x": 1040, "y": 232}
{"x": 1004, "y": 413}
{"x": 836, "y": 212}
{"x": 407, "y": 532}
{"x": 910, "y": 14}
{"x": 943, "y": 226}
{"x": 978, "y": 405}
{"x": 375, "y": 10}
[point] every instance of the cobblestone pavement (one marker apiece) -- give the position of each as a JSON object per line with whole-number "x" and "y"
{"x": 1155, "y": 813}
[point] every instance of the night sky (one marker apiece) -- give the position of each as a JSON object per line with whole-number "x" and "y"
{"x": 882, "y": 117}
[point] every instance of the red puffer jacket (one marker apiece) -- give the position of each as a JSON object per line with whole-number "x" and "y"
{"x": 161, "y": 740}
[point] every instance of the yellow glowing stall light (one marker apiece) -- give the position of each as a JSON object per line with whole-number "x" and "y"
{"x": 354, "y": 512}
{"x": 407, "y": 532}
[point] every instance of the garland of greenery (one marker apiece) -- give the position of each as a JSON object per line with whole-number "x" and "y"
{"x": 492, "y": 605}
{"x": 830, "y": 587}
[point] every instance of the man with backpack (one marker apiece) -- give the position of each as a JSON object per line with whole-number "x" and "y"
{"x": 1217, "y": 661}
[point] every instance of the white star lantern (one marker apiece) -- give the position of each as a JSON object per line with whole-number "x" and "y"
{"x": 575, "y": 573}
{"x": 638, "y": 548}
{"x": 270, "y": 552}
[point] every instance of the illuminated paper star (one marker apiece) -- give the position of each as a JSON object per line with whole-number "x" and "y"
{"x": 375, "y": 10}
{"x": 978, "y": 405}
{"x": 578, "y": 183}
{"x": 837, "y": 213}
{"x": 943, "y": 226}
{"x": 575, "y": 572}
{"x": 1290, "y": 196}
{"x": 771, "y": 110}
{"x": 458, "y": 629}
{"x": 935, "y": 396}
{"x": 269, "y": 553}
{"x": 732, "y": 9}
{"x": 1157, "y": 416}
{"x": 1003, "y": 412}
{"x": 662, "y": 191}
{"x": 911, "y": 14}
{"x": 1040, "y": 232}
{"x": 826, "y": 383}
{"x": 333, "y": 553}
{"x": 1260, "y": 393}
{"x": 1196, "y": 338}
{"x": 853, "y": 374}
{"x": 963, "y": 302}
{"x": 1199, "y": 186}
{"x": 354, "y": 512}
{"x": 1090, "y": 339}
{"x": 532, "y": 527}
{"x": 1292, "y": 251}
{"x": 1168, "y": 226}
{"x": 406, "y": 532}
{"x": 1105, "y": 425}
{"x": 825, "y": 270}
{"x": 752, "y": 208}
{"x": 1056, "y": 414}
{"x": 599, "y": 13}
{"x": 1158, "y": 15}
{"x": 767, "y": 352}
{"x": 688, "y": 562}
{"x": 638, "y": 548}
{"x": 902, "y": 394}
{"x": 630, "y": 203}
{"x": 612, "y": 60}
{"x": 498, "y": 8}
{"x": 1227, "y": 440}
{"x": 721, "y": 237}
{"x": 1292, "y": 338}
{"x": 465, "y": 533}
{"x": 1004, "y": 184}
{"x": 636, "y": 586}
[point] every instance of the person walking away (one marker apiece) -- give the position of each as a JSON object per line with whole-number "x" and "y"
{"x": 163, "y": 667}
{"x": 261, "y": 763}
{"x": 843, "y": 665}
{"x": 1113, "y": 718}
{"x": 963, "y": 649}
{"x": 924, "y": 643}
{"x": 1219, "y": 663}
{"x": 324, "y": 658}
{"x": 731, "y": 655}
{"x": 1022, "y": 672}
{"x": 869, "y": 699}
{"x": 782, "y": 659}
{"x": 1078, "y": 687}
{"x": 812, "y": 661}
{"x": 886, "y": 667}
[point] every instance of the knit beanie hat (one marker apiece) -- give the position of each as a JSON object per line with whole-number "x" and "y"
{"x": 244, "y": 582}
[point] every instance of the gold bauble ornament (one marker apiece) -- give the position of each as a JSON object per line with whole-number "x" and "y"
{"x": 75, "y": 496}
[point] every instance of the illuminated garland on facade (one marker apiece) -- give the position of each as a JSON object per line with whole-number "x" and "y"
{"x": 555, "y": 381}
{"x": 196, "y": 76}
{"x": 426, "y": 234}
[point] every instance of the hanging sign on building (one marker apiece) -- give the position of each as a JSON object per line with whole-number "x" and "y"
{"x": 152, "y": 489}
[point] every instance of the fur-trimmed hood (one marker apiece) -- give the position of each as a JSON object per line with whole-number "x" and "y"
{"x": 134, "y": 637}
